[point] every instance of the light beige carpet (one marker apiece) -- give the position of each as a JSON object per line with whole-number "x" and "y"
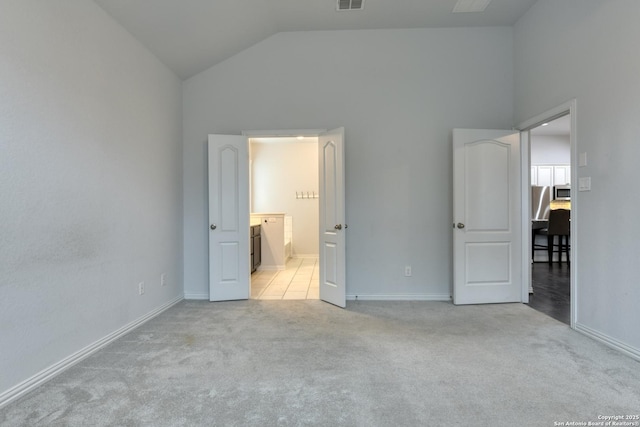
{"x": 297, "y": 363}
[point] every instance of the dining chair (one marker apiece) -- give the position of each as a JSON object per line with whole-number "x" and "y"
{"x": 559, "y": 225}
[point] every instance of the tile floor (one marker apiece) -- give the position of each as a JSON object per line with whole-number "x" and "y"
{"x": 299, "y": 280}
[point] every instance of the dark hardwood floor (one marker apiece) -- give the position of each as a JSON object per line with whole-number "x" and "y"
{"x": 551, "y": 290}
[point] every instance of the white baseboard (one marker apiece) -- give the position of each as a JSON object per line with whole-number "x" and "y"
{"x": 196, "y": 296}
{"x": 400, "y": 297}
{"x": 45, "y": 375}
{"x": 609, "y": 341}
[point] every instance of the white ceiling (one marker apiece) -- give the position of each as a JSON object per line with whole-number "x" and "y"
{"x": 557, "y": 127}
{"x": 190, "y": 36}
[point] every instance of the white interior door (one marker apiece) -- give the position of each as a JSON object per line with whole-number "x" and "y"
{"x": 229, "y": 272}
{"x": 332, "y": 256}
{"x": 487, "y": 217}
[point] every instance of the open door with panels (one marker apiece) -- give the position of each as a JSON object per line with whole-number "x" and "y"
{"x": 332, "y": 256}
{"x": 229, "y": 271}
{"x": 487, "y": 259}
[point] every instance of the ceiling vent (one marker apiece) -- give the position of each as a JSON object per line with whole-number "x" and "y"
{"x": 463, "y": 6}
{"x": 350, "y": 5}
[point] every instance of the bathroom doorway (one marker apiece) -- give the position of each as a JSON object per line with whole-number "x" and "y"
{"x": 229, "y": 214}
{"x": 284, "y": 196}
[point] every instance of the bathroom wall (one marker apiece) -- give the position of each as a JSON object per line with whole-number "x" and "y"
{"x": 280, "y": 168}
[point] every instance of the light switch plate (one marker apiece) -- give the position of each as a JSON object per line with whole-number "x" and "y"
{"x": 584, "y": 183}
{"x": 582, "y": 159}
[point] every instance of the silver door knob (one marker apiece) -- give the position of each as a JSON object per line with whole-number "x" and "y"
{"x": 338, "y": 227}
{"x": 460, "y": 225}
{"x": 213, "y": 226}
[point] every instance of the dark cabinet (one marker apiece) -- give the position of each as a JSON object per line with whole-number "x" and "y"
{"x": 255, "y": 247}
{"x": 257, "y": 251}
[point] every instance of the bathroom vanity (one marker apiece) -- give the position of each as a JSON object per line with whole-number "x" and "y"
{"x": 275, "y": 238}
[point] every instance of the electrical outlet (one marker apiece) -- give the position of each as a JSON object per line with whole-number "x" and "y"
{"x": 407, "y": 271}
{"x": 163, "y": 279}
{"x": 141, "y": 288}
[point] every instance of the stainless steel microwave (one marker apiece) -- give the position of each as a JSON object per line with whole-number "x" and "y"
{"x": 562, "y": 192}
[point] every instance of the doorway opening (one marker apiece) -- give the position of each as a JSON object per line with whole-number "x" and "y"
{"x": 550, "y": 161}
{"x": 551, "y": 214}
{"x": 229, "y": 218}
{"x": 284, "y": 193}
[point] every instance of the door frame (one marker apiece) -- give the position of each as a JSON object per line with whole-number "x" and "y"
{"x": 569, "y": 107}
{"x": 284, "y": 133}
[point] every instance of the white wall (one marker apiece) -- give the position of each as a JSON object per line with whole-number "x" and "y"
{"x": 550, "y": 150}
{"x": 398, "y": 93}
{"x": 90, "y": 178}
{"x": 587, "y": 49}
{"x": 281, "y": 168}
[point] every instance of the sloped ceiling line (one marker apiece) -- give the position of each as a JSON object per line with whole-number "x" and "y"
{"x": 190, "y": 36}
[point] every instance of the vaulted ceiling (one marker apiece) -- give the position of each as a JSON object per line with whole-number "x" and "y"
{"x": 190, "y": 36}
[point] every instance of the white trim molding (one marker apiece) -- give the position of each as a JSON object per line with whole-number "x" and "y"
{"x": 609, "y": 341}
{"x": 282, "y": 133}
{"x": 552, "y": 114}
{"x": 400, "y": 297}
{"x": 569, "y": 107}
{"x": 45, "y": 375}
{"x": 196, "y": 297}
